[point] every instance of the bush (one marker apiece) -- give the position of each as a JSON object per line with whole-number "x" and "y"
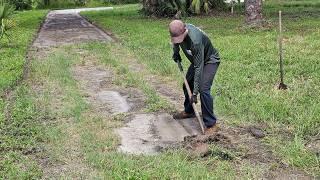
{"x": 22, "y": 4}
{"x": 6, "y": 10}
{"x": 165, "y": 8}
{"x": 119, "y": 1}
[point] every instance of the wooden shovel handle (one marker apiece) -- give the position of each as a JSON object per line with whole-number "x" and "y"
{"x": 190, "y": 94}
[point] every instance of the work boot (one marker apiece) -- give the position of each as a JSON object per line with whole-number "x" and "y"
{"x": 182, "y": 115}
{"x": 211, "y": 130}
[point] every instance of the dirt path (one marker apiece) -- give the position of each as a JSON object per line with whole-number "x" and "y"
{"x": 144, "y": 132}
{"x": 63, "y": 28}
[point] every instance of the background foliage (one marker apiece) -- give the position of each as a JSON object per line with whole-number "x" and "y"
{"x": 32, "y": 4}
{"x": 163, "y": 8}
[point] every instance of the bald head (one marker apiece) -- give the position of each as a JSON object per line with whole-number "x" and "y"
{"x": 178, "y": 31}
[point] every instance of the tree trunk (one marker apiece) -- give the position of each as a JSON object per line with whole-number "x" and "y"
{"x": 253, "y": 10}
{"x": 46, "y": 2}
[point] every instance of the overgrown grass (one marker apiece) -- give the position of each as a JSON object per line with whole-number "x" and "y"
{"x": 20, "y": 134}
{"x": 118, "y": 59}
{"x": 12, "y": 54}
{"x": 20, "y": 130}
{"x": 245, "y": 87}
{"x": 68, "y": 4}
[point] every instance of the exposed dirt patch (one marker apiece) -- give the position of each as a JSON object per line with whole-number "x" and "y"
{"x": 314, "y": 145}
{"x": 109, "y": 99}
{"x": 143, "y": 133}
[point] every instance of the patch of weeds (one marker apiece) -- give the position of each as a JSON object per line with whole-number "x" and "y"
{"x": 296, "y": 154}
{"x": 14, "y": 165}
{"x": 12, "y": 56}
{"x": 125, "y": 77}
{"x": 21, "y": 131}
{"x": 154, "y": 101}
{"x": 251, "y": 171}
{"x": 2, "y": 116}
{"x": 169, "y": 165}
{"x": 222, "y": 153}
{"x": 120, "y": 117}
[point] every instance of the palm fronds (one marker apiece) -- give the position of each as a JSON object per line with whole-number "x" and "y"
{"x": 6, "y": 10}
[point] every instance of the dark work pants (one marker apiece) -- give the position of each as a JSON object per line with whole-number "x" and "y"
{"x": 209, "y": 71}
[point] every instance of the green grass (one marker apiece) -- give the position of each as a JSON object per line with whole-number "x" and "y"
{"x": 20, "y": 130}
{"x": 69, "y": 4}
{"x": 21, "y": 133}
{"x": 12, "y": 54}
{"x": 69, "y": 116}
{"x": 245, "y": 85}
{"x": 117, "y": 59}
{"x": 56, "y": 118}
{"x": 100, "y": 144}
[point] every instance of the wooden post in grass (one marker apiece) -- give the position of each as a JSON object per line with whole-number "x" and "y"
{"x": 281, "y": 85}
{"x": 232, "y": 6}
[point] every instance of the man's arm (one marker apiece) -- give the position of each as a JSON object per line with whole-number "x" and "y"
{"x": 198, "y": 65}
{"x": 176, "y": 55}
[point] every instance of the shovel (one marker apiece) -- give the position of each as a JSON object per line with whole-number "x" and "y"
{"x": 190, "y": 94}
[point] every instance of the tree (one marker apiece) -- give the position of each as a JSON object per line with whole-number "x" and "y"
{"x": 174, "y": 7}
{"x": 253, "y": 10}
{"x": 6, "y": 10}
{"x": 46, "y": 3}
{"x": 163, "y": 8}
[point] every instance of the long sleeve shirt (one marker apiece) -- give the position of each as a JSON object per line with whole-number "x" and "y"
{"x": 198, "y": 48}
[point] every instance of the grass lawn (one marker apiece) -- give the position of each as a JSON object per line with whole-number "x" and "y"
{"x": 76, "y": 123}
{"x": 12, "y": 54}
{"x": 245, "y": 90}
{"x": 48, "y": 125}
{"x": 19, "y": 127}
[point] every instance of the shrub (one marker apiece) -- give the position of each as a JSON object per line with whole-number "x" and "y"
{"x": 6, "y": 10}
{"x": 22, "y": 4}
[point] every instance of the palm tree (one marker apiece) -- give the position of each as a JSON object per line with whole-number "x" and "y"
{"x": 164, "y": 7}
{"x": 5, "y": 11}
{"x": 253, "y": 10}
{"x": 171, "y": 7}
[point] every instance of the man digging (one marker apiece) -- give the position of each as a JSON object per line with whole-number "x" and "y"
{"x": 205, "y": 61}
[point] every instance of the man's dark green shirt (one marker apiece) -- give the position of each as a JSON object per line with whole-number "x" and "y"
{"x": 199, "y": 50}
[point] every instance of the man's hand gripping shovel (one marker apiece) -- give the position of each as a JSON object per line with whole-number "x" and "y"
{"x": 190, "y": 95}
